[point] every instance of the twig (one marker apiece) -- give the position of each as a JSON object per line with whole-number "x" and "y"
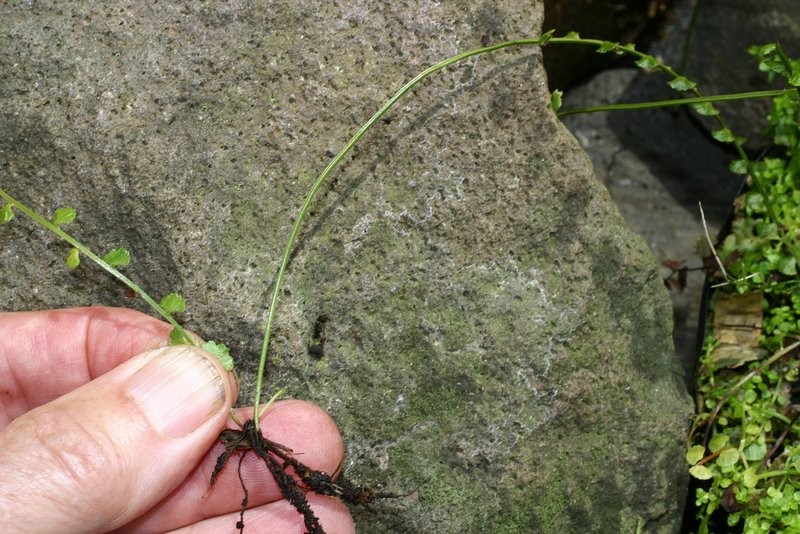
{"x": 711, "y": 244}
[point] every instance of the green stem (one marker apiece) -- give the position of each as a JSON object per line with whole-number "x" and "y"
{"x": 772, "y": 474}
{"x": 262, "y": 362}
{"x": 690, "y": 28}
{"x": 89, "y": 254}
{"x": 675, "y": 102}
{"x": 737, "y": 144}
{"x": 541, "y": 41}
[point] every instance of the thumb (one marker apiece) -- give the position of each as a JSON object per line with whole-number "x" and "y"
{"x": 103, "y": 454}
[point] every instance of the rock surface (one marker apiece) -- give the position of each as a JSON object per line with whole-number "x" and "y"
{"x": 497, "y": 337}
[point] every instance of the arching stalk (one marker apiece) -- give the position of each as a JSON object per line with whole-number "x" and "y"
{"x": 262, "y": 362}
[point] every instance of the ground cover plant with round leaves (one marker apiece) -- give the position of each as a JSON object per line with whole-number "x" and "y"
{"x": 746, "y": 439}
{"x": 279, "y": 460}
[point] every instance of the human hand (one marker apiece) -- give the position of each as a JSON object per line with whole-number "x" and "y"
{"x": 99, "y": 432}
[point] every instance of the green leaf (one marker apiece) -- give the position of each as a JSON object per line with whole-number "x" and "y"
{"x": 723, "y": 135}
{"x": 738, "y": 166}
{"x": 545, "y": 38}
{"x": 695, "y": 454}
{"x": 752, "y": 429}
{"x": 173, "y": 303}
{"x": 728, "y": 458}
{"x": 63, "y": 216}
{"x": 706, "y": 108}
{"x": 701, "y": 472}
{"x": 718, "y": 441}
{"x": 572, "y": 35}
{"x": 765, "y": 50}
{"x": 647, "y": 62}
{"x": 606, "y": 46}
{"x": 178, "y": 336}
{"x": 750, "y": 478}
{"x": 681, "y": 83}
{"x": 787, "y": 265}
{"x": 73, "y": 258}
{"x": 222, "y": 353}
{"x": 555, "y": 99}
{"x": 754, "y": 452}
{"x": 119, "y": 257}
{"x": 6, "y": 213}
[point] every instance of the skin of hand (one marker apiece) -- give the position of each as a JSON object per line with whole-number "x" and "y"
{"x": 105, "y": 428}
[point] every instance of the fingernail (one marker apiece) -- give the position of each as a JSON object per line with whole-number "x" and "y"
{"x": 178, "y": 390}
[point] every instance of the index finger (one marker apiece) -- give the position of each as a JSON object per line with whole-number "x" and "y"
{"x": 45, "y": 354}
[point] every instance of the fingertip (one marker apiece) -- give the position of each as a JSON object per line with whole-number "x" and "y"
{"x": 280, "y": 517}
{"x": 119, "y": 331}
{"x": 52, "y": 352}
{"x": 283, "y": 518}
{"x": 180, "y": 388}
{"x": 308, "y": 430}
{"x": 333, "y": 514}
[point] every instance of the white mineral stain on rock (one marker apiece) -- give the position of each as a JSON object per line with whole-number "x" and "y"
{"x": 357, "y": 233}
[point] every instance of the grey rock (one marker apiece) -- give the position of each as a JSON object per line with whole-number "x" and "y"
{"x": 497, "y": 337}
